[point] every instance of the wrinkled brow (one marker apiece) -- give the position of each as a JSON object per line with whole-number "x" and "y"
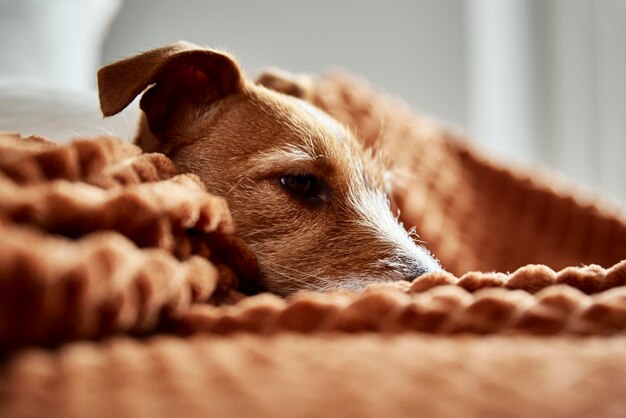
{"x": 290, "y": 157}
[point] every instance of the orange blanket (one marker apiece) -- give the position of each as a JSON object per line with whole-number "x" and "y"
{"x": 543, "y": 336}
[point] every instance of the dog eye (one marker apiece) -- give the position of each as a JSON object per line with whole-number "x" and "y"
{"x": 306, "y": 187}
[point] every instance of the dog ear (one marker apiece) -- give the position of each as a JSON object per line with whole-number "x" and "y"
{"x": 179, "y": 74}
{"x": 297, "y": 85}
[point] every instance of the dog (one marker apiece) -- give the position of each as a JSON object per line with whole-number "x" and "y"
{"x": 307, "y": 198}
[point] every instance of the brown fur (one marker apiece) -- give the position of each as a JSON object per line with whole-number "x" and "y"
{"x": 240, "y": 139}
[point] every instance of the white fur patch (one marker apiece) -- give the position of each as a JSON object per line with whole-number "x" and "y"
{"x": 375, "y": 215}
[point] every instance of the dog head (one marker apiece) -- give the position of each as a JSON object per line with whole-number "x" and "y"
{"x": 306, "y": 196}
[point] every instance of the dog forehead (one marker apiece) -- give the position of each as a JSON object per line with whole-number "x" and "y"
{"x": 306, "y": 130}
{"x": 296, "y": 114}
{"x": 322, "y": 120}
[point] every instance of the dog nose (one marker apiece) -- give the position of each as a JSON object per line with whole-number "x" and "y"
{"x": 424, "y": 265}
{"x": 416, "y": 272}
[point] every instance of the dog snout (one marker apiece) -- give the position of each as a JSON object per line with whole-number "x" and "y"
{"x": 412, "y": 266}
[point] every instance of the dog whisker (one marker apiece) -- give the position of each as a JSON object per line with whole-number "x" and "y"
{"x": 320, "y": 278}
{"x": 305, "y": 284}
{"x": 102, "y": 128}
{"x": 235, "y": 186}
{"x": 78, "y": 134}
{"x": 256, "y": 232}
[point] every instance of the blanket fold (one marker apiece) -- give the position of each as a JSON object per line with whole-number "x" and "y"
{"x": 53, "y": 289}
{"x": 97, "y": 239}
{"x": 442, "y": 309}
{"x": 105, "y": 162}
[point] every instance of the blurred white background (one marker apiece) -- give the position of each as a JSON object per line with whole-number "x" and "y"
{"x": 537, "y": 81}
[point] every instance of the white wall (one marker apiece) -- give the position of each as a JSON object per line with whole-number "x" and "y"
{"x": 547, "y": 84}
{"x": 412, "y": 48}
{"x": 53, "y": 41}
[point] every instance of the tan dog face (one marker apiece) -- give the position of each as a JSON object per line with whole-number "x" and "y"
{"x": 307, "y": 198}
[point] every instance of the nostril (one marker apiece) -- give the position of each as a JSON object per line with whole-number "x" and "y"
{"x": 409, "y": 267}
{"x": 421, "y": 267}
{"x": 416, "y": 272}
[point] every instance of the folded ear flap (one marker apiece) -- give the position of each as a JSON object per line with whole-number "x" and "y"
{"x": 296, "y": 85}
{"x": 178, "y": 73}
